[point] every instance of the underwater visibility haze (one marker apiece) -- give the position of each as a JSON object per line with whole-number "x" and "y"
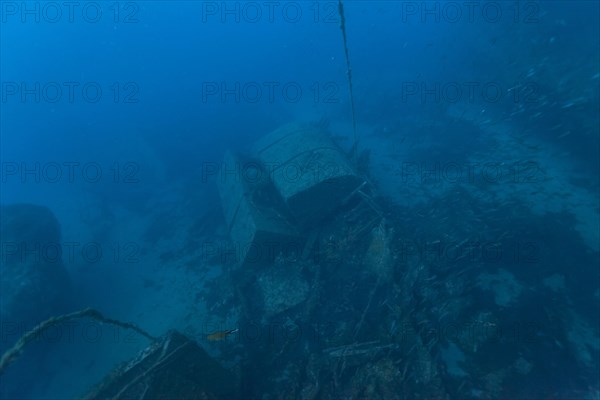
{"x": 300, "y": 200}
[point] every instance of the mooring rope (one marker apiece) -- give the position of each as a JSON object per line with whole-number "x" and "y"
{"x": 349, "y": 73}
{"x": 14, "y": 352}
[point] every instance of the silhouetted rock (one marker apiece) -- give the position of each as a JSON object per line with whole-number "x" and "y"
{"x": 33, "y": 281}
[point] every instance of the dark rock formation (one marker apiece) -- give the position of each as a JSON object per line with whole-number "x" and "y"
{"x": 34, "y": 283}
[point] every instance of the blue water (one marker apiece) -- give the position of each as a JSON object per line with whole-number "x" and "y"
{"x": 480, "y": 122}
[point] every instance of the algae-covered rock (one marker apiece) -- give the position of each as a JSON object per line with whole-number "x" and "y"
{"x": 282, "y": 287}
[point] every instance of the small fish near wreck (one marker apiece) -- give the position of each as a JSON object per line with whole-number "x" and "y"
{"x": 221, "y": 335}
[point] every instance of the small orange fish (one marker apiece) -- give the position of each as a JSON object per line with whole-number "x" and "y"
{"x": 213, "y": 337}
